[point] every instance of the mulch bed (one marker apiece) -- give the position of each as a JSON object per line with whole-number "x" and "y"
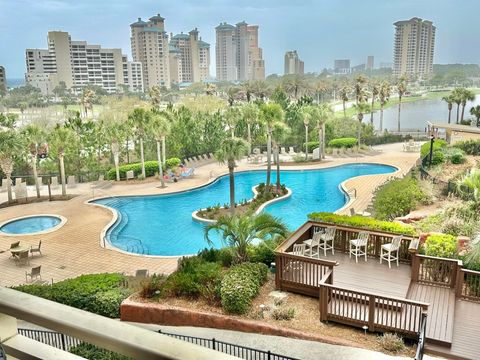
{"x": 31, "y": 200}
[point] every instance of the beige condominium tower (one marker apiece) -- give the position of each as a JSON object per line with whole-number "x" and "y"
{"x": 189, "y": 58}
{"x": 413, "y": 48}
{"x": 237, "y": 52}
{"x": 149, "y": 43}
{"x": 293, "y": 64}
{"x": 78, "y": 64}
{"x": 3, "y": 80}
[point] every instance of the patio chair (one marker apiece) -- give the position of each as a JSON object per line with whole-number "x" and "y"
{"x": 36, "y": 249}
{"x": 188, "y": 173}
{"x": 311, "y": 244}
{"x": 34, "y": 274}
{"x": 291, "y": 151}
{"x": 357, "y": 244}
{"x": 13, "y": 246}
{"x": 327, "y": 241}
{"x": 54, "y": 182}
{"x": 387, "y": 250}
{"x": 352, "y": 212}
{"x": 298, "y": 249}
{"x": 23, "y": 258}
{"x": 141, "y": 273}
{"x": 283, "y": 151}
{"x": 71, "y": 181}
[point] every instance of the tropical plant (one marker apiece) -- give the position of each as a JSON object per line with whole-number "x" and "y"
{"x": 401, "y": 90}
{"x": 240, "y": 231}
{"x": 114, "y": 133}
{"x": 86, "y": 100}
{"x": 475, "y": 111}
{"x": 359, "y": 89}
{"x": 230, "y": 151}
{"x": 306, "y": 116}
{"x": 344, "y": 95}
{"x": 375, "y": 90}
{"x": 250, "y": 114}
{"x": 295, "y": 85}
{"x": 270, "y": 114}
{"x": 140, "y": 120}
{"x": 449, "y": 100}
{"x": 322, "y": 114}
{"x": 34, "y": 136}
{"x": 232, "y": 117}
{"x": 361, "y": 108}
{"x": 61, "y": 138}
{"x": 10, "y": 146}
{"x": 155, "y": 94}
{"x": 280, "y": 131}
{"x": 467, "y": 95}
{"x": 383, "y": 97}
{"x": 457, "y": 95}
{"x": 160, "y": 127}
{"x": 469, "y": 185}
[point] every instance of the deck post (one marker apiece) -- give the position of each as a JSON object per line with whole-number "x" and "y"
{"x": 459, "y": 282}
{"x": 323, "y": 303}
{"x": 278, "y": 271}
{"x": 415, "y": 267}
{"x": 371, "y": 313}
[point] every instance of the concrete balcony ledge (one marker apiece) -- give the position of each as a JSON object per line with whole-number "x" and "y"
{"x": 106, "y": 333}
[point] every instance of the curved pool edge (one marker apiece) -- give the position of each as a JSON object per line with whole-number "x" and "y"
{"x": 201, "y": 220}
{"x": 63, "y": 221}
{"x": 105, "y": 243}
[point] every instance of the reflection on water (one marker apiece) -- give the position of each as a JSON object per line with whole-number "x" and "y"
{"x": 414, "y": 115}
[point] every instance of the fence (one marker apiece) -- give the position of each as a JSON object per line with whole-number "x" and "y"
{"x": 435, "y": 271}
{"x": 66, "y": 342}
{"x": 468, "y": 285}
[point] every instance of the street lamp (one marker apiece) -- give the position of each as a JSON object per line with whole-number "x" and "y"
{"x": 432, "y": 139}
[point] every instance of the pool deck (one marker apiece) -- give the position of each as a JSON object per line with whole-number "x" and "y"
{"x": 75, "y": 249}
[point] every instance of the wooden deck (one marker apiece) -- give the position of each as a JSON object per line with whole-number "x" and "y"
{"x": 441, "y": 311}
{"x": 465, "y": 344}
{"x": 370, "y": 276}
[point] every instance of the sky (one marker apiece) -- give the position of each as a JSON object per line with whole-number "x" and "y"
{"x": 319, "y": 30}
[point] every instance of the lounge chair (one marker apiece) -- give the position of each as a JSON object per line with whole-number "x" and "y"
{"x": 188, "y": 173}
{"x": 36, "y": 249}
{"x": 327, "y": 240}
{"x": 130, "y": 175}
{"x": 141, "y": 273}
{"x": 54, "y": 182}
{"x": 34, "y": 274}
{"x": 387, "y": 250}
{"x": 20, "y": 191}
{"x": 291, "y": 151}
{"x": 18, "y": 181}
{"x": 71, "y": 181}
{"x": 283, "y": 151}
{"x": 357, "y": 244}
{"x": 23, "y": 258}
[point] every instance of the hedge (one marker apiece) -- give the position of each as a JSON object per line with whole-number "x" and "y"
{"x": 441, "y": 245}
{"x": 151, "y": 168}
{"x": 101, "y": 294}
{"x": 363, "y": 223}
{"x": 471, "y": 147}
{"x": 343, "y": 143}
{"x": 92, "y": 352}
{"x": 311, "y": 146}
{"x": 240, "y": 285}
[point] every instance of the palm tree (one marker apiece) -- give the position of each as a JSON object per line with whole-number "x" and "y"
{"x": 375, "y": 92}
{"x": 295, "y": 84}
{"x": 469, "y": 185}
{"x": 401, "y": 90}
{"x": 240, "y": 231}
{"x": 34, "y": 137}
{"x": 250, "y": 115}
{"x": 10, "y": 146}
{"x": 270, "y": 114}
{"x": 361, "y": 109}
{"x": 344, "y": 94}
{"x": 475, "y": 111}
{"x": 306, "y": 116}
{"x": 86, "y": 100}
{"x": 160, "y": 127}
{"x": 322, "y": 113}
{"x": 230, "y": 151}
{"x": 115, "y": 133}
{"x": 260, "y": 89}
{"x": 60, "y": 139}
{"x": 359, "y": 88}
{"x": 280, "y": 131}
{"x": 383, "y": 97}
{"x": 320, "y": 88}
{"x": 210, "y": 89}
{"x": 155, "y": 94}
{"x": 457, "y": 99}
{"x": 449, "y": 100}
{"x": 140, "y": 120}
{"x": 232, "y": 116}
{"x": 467, "y": 95}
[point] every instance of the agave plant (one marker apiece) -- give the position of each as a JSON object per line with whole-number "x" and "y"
{"x": 469, "y": 185}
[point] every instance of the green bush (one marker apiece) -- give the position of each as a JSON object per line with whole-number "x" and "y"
{"x": 441, "y": 245}
{"x": 98, "y": 293}
{"x": 471, "y": 147}
{"x": 240, "y": 285}
{"x": 151, "y": 168}
{"x": 223, "y": 256}
{"x": 455, "y": 155}
{"x": 397, "y": 198}
{"x": 363, "y": 222}
{"x": 438, "y": 144}
{"x": 264, "y": 252}
{"x": 343, "y": 143}
{"x": 311, "y": 146}
{"x": 92, "y": 352}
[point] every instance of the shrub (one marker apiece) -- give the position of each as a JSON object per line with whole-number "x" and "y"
{"x": 264, "y": 252}
{"x": 151, "y": 285}
{"x": 363, "y": 222}
{"x": 471, "y": 147}
{"x": 397, "y": 198}
{"x": 151, "y": 168}
{"x": 343, "y": 143}
{"x": 441, "y": 245}
{"x": 283, "y": 314}
{"x": 455, "y": 155}
{"x": 223, "y": 256}
{"x": 98, "y": 293}
{"x": 240, "y": 286}
{"x": 311, "y": 145}
{"x": 391, "y": 342}
{"x": 437, "y": 145}
{"x": 92, "y": 352}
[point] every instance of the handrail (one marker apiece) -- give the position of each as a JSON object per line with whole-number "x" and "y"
{"x": 435, "y": 270}
{"x": 421, "y": 338}
{"x": 468, "y": 285}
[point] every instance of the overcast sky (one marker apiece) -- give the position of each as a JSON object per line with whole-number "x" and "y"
{"x": 320, "y": 30}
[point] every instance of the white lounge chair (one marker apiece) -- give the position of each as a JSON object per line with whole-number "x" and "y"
{"x": 54, "y": 182}
{"x": 291, "y": 151}
{"x": 387, "y": 250}
{"x": 20, "y": 191}
{"x": 327, "y": 240}
{"x": 357, "y": 244}
{"x": 71, "y": 181}
{"x": 283, "y": 151}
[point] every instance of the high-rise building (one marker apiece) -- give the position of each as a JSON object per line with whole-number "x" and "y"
{"x": 150, "y": 47}
{"x": 77, "y": 64}
{"x": 413, "y": 48}
{"x": 370, "y": 62}
{"x": 341, "y": 67}
{"x": 293, "y": 64}
{"x": 3, "y": 80}
{"x": 189, "y": 58}
{"x": 237, "y": 51}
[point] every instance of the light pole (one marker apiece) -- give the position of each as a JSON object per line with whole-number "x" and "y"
{"x": 432, "y": 139}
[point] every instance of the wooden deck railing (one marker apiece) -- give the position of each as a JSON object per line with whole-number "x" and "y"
{"x": 435, "y": 270}
{"x": 377, "y": 312}
{"x": 301, "y": 274}
{"x": 468, "y": 285}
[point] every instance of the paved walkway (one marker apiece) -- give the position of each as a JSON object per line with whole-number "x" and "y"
{"x": 75, "y": 249}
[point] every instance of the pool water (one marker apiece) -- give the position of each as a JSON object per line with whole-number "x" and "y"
{"x": 30, "y": 225}
{"x": 163, "y": 225}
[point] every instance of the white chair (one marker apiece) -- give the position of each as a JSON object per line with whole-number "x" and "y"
{"x": 357, "y": 244}
{"x": 283, "y": 151}
{"x": 54, "y": 182}
{"x": 311, "y": 244}
{"x": 291, "y": 151}
{"x": 327, "y": 240}
{"x": 71, "y": 181}
{"x": 299, "y": 249}
{"x": 387, "y": 250}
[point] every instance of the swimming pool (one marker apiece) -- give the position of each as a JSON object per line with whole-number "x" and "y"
{"x": 30, "y": 225}
{"x": 162, "y": 224}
